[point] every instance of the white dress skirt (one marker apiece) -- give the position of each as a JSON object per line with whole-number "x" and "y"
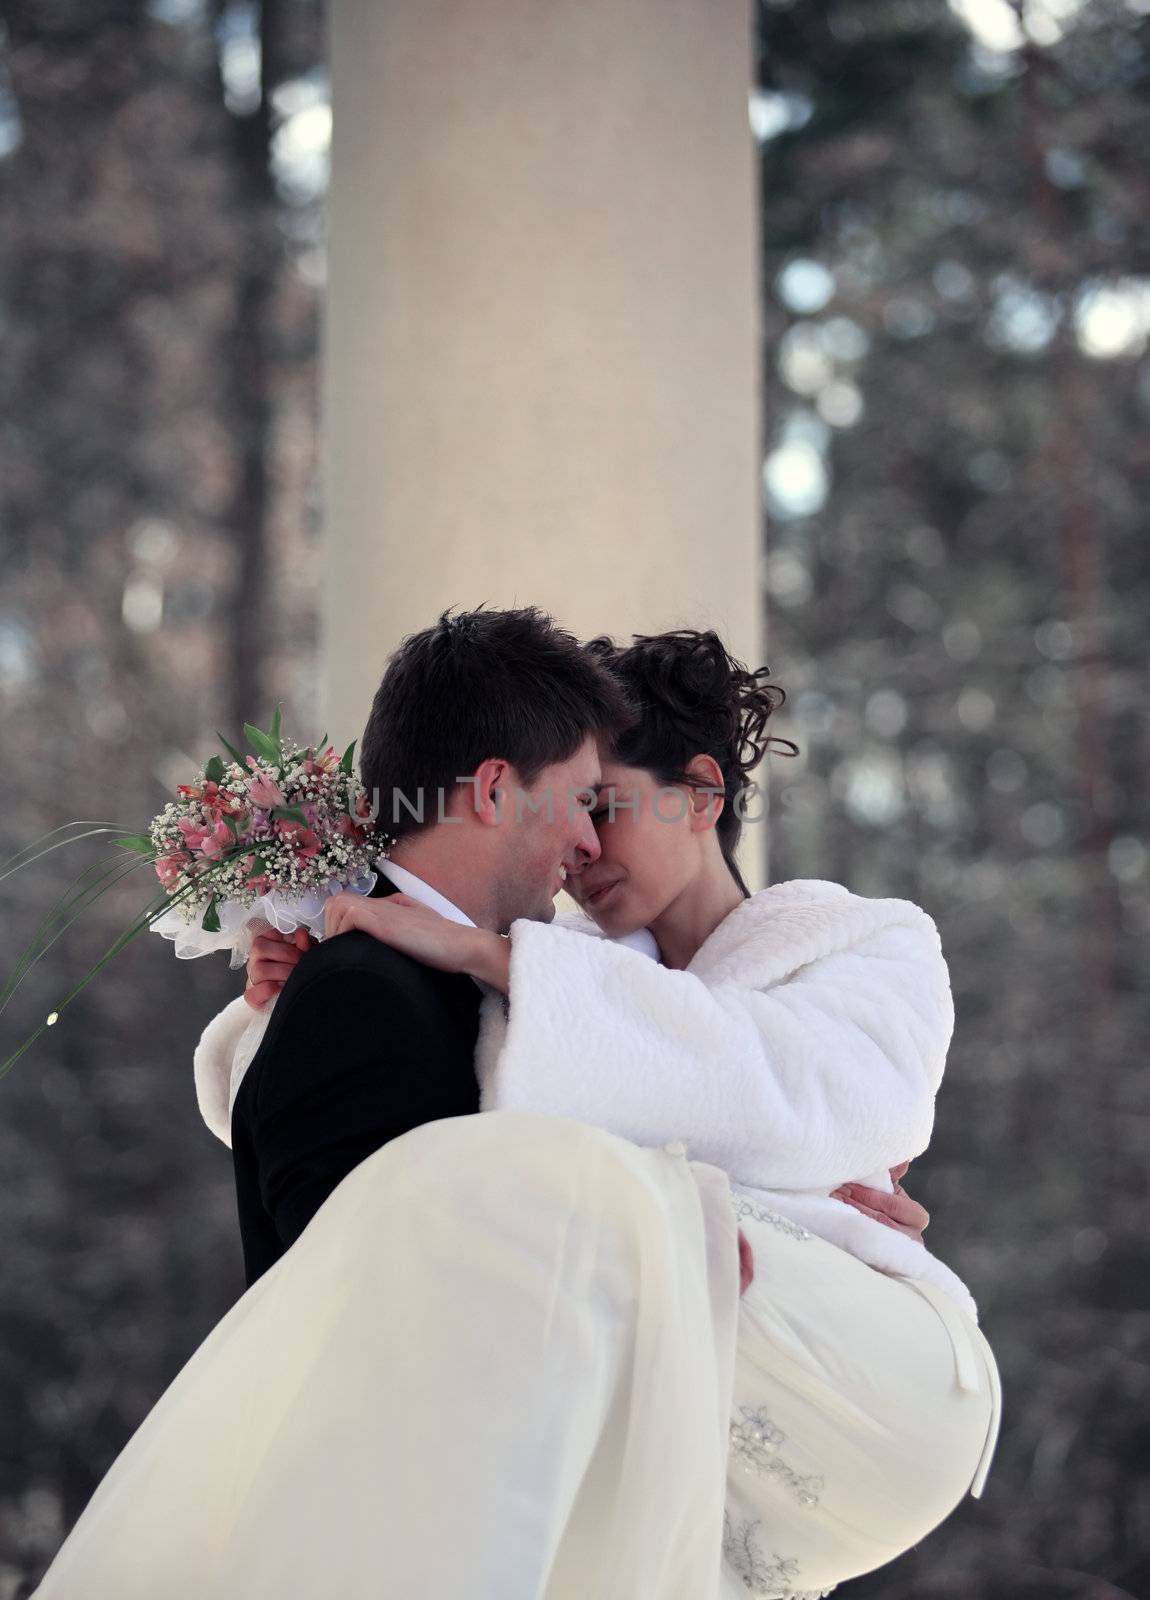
{"x": 865, "y": 1407}
{"x": 507, "y": 1360}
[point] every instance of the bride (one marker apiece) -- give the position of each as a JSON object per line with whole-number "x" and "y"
{"x": 776, "y": 1045}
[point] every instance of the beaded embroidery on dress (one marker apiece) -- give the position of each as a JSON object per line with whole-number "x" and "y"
{"x": 755, "y": 1443}
{"x": 768, "y": 1577}
{"x": 747, "y": 1208}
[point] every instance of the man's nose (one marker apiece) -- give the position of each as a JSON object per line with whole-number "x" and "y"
{"x": 587, "y": 846}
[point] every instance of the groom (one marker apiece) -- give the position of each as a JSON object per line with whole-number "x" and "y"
{"x": 366, "y": 1043}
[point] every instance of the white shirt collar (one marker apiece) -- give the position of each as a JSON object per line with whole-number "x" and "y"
{"x": 407, "y": 883}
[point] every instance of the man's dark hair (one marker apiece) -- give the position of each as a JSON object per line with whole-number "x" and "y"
{"x": 477, "y": 686}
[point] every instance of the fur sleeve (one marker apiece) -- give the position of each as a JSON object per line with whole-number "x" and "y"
{"x": 226, "y": 1046}
{"x": 828, "y": 1073}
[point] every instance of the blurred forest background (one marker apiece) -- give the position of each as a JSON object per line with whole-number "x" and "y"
{"x": 956, "y": 253}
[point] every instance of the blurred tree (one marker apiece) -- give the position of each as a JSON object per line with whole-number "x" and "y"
{"x": 956, "y": 252}
{"x": 161, "y": 178}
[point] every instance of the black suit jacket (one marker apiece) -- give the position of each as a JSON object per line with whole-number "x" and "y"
{"x": 363, "y": 1045}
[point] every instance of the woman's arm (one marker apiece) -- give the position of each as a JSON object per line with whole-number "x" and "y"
{"x": 807, "y": 1082}
{"x": 488, "y": 956}
{"x": 826, "y": 1075}
{"x": 230, "y": 1038}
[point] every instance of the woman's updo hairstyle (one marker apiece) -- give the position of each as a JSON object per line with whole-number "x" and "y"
{"x": 693, "y": 698}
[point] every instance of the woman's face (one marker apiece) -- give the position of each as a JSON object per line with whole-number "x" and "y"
{"x": 649, "y": 851}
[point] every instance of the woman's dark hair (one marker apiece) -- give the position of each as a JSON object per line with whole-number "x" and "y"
{"x": 481, "y": 684}
{"x": 693, "y": 698}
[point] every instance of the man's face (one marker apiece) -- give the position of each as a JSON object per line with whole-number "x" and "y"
{"x": 548, "y": 835}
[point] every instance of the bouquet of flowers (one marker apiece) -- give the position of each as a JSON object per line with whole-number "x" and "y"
{"x": 252, "y": 841}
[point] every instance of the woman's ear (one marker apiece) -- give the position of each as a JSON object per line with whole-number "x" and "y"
{"x": 707, "y": 791}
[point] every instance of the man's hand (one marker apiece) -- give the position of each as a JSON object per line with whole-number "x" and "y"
{"x": 270, "y": 964}
{"x": 897, "y": 1210}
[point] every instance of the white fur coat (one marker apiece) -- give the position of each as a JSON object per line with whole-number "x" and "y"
{"x": 802, "y": 1048}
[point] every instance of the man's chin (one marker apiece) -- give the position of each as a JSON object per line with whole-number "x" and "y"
{"x": 544, "y": 911}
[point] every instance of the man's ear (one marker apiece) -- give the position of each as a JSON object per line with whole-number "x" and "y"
{"x": 488, "y": 791}
{"x": 707, "y": 791}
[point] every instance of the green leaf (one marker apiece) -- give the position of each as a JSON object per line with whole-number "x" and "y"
{"x": 346, "y": 764}
{"x": 158, "y": 907}
{"x": 40, "y": 847}
{"x": 138, "y": 842}
{"x": 232, "y": 751}
{"x": 214, "y": 770}
{"x": 263, "y": 744}
{"x": 321, "y": 744}
{"x": 233, "y": 825}
{"x": 289, "y": 814}
{"x": 211, "y": 922}
{"x": 86, "y": 889}
{"x": 276, "y": 722}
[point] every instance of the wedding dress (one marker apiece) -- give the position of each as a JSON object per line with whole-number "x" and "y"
{"x": 499, "y": 1363}
{"x": 496, "y": 1365}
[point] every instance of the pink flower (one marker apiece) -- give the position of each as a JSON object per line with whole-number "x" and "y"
{"x": 242, "y": 820}
{"x": 258, "y": 882}
{"x": 327, "y": 761}
{"x": 208, "y": 791}
{"x": 263, "y": 790}
{"x": 305, "y": 841}
{"x": 216, "y": 841}
{"x": 169, "y": 867}
{"x": 192, "y": 831}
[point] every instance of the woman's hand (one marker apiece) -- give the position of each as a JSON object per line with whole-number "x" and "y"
{"x": 897, "y": 1210}
{"x": 270, "y": 964}
{"x": 746, "y": 1264}
{"x": 423, "y": 934}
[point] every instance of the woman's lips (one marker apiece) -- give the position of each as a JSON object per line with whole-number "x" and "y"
{"x": 600, "y": 895}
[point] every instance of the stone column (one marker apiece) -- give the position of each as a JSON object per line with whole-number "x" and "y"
{"x": 542, "y": 336}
